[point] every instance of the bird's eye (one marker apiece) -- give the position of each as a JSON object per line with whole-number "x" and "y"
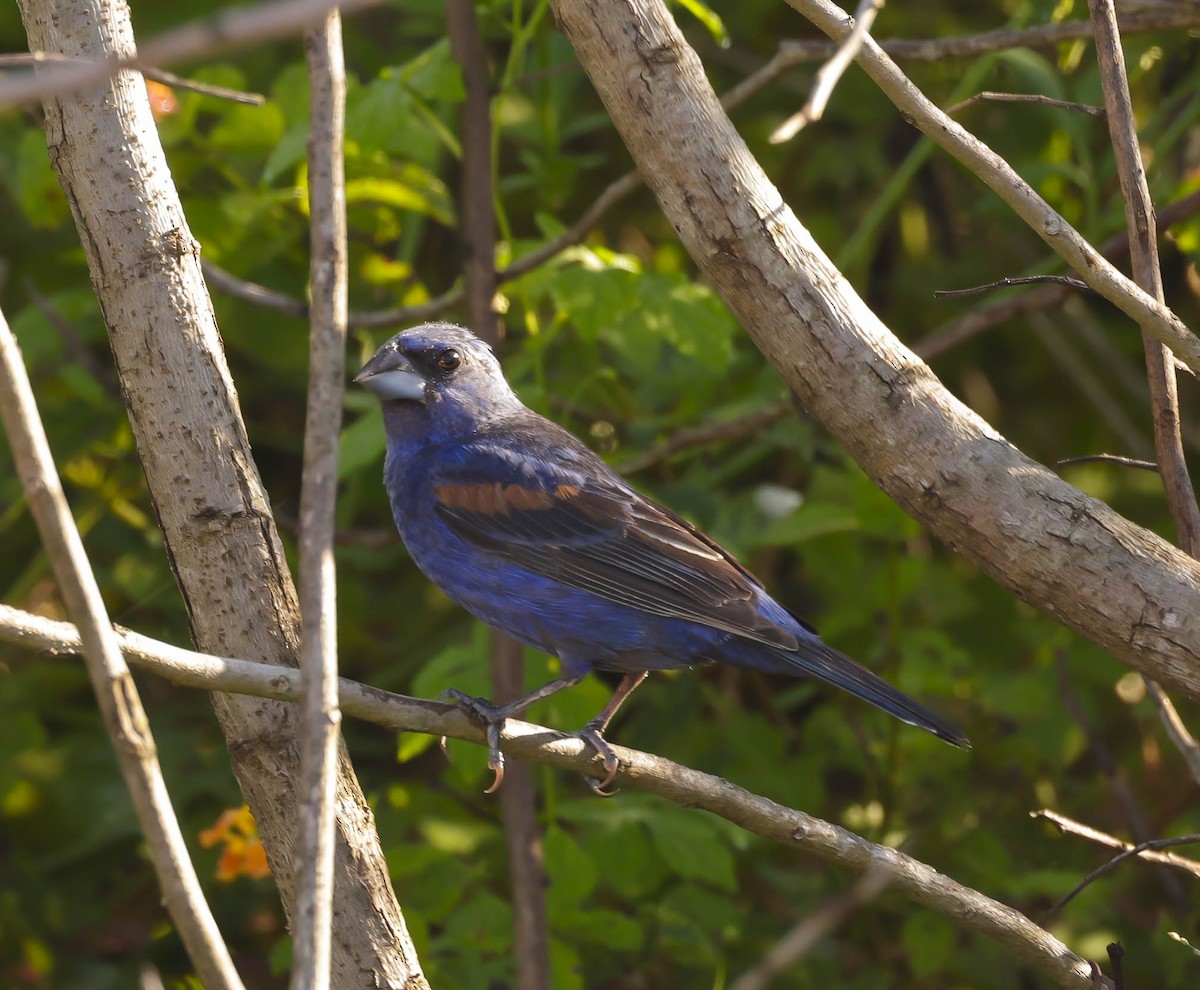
{"x": 449, "y": 359}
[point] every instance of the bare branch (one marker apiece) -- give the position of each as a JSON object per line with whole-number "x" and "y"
{"x": 1139, "y": 828}
{"x": 828, "y": 75}
{"x": 1143, "y": 244}
{"x": 117, "y": 696}
{"x": 206, "y": 89}
{"x": 1041, "y": 538}
{"x": 999, "y": 176}
{"x": 1130, "y": 852}
{"x": 1148, "y": 853}
{"x": 1129, "y": 462}
{"x": 613, "y": 194}
{"x": 1004, "y": 283}
{"x": 251, "y": 292}
{"x": 1176, "y": 731}
{"x": 312, "y": 924}
{"x": 915, "y": 880}
{"x": 1035, "y": 98}
{"x": 1160, "y": 17}
{"x": 199, "y": 39}
{"x": 978, "y": 321}
{"x": 158, "y": 75}
{"x": 719, "y": 431}
{"x": 1160, "y": 366}
{"x": 416, "y": 313}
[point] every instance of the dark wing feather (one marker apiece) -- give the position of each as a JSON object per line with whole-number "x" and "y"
{"x": 606, "y": 539}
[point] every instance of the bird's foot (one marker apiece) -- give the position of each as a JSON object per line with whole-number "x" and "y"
{"x": 590, "y": 734}
{"x": 492, "y": 718}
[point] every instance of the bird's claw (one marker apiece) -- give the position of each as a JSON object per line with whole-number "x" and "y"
{"x": 495, "y": 757}
{"x": 590, "y": 734}
{"x": 493, "y": 720}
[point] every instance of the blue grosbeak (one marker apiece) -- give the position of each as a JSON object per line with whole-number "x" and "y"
{"x": 527, "y": 529}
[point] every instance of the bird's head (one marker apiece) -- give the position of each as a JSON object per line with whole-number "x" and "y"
{"x": 439, "y": 367}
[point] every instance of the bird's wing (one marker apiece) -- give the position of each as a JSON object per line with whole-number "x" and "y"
{"x": 593, "y": 533}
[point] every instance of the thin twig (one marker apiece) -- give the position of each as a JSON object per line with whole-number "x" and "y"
{"x": 1004, "y": 283}
{"x": 987, "y": 96}
{"x": 810, "y": 929}
{"x": 1176, "y": 731}
{"x": 1129, "y": 462}
{"x": 1073, "y": 827}
{"x": 720, "y": 431}
{"x": 1130, "y": 852}
{"x": 1143, "y": 245}
{"x": 980, "y": 320}
{"x": 518, "y": 796}
{"x": 251, "y": 292}
{"x": 1160, "y": 365}
{"x": 205, "y": 89}
{"x": 1163, "y": 17}
{"x": 259, "y": 295}
{"x": 197, "y": 39}
{"x": 1117, "y": 784}
{"x": 158, "y": 75}
{"x": 828, "y": 75}
{"x": 917, "y": 881}
{"x": 789, "y": 55}
{"x": 1000, "y": 177}
{"x": 117, "y": 696}
{"x": 400, "y": 315}
{"x": 312, "y": 921}
{"x": 613, "y": 194}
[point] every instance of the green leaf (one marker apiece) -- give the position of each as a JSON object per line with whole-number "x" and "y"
{"x": 929, "y": 941}
{"x": 410, "y": 745}
{"x": 363, "y": 442}
{"x": 693, "y": 849}
{"x": 599, "y": 927}
{"x": 37, "y": 189}
{"x": 249, "y": 129}
{"x": 410, "y": 192}
{"x": 463, "y": 666}
{"x": 435, "y": 75}
{"x": 289, "y": 152}
{"x": 810, "y": 520}
{"x": 709, "y": 18}
{"x": 571, "y": 871}
{"x": 457, "y": 836}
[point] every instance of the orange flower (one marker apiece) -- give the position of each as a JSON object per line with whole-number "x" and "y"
{"x": 162, "y": 99}
{"x": 243, "y": 854}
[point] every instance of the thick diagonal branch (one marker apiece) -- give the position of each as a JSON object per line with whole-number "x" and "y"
{"x": 1068, "y": 554}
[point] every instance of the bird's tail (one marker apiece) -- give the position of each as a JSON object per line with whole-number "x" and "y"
{"x": 816, "y": 658}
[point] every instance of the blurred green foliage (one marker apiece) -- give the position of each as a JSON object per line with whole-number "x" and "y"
{"x": 619, "y": 340}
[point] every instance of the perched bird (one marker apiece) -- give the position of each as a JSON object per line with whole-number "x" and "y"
{"x": 531, "y": 532}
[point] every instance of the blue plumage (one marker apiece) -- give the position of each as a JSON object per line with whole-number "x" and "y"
{"x": 527, "y": 529}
